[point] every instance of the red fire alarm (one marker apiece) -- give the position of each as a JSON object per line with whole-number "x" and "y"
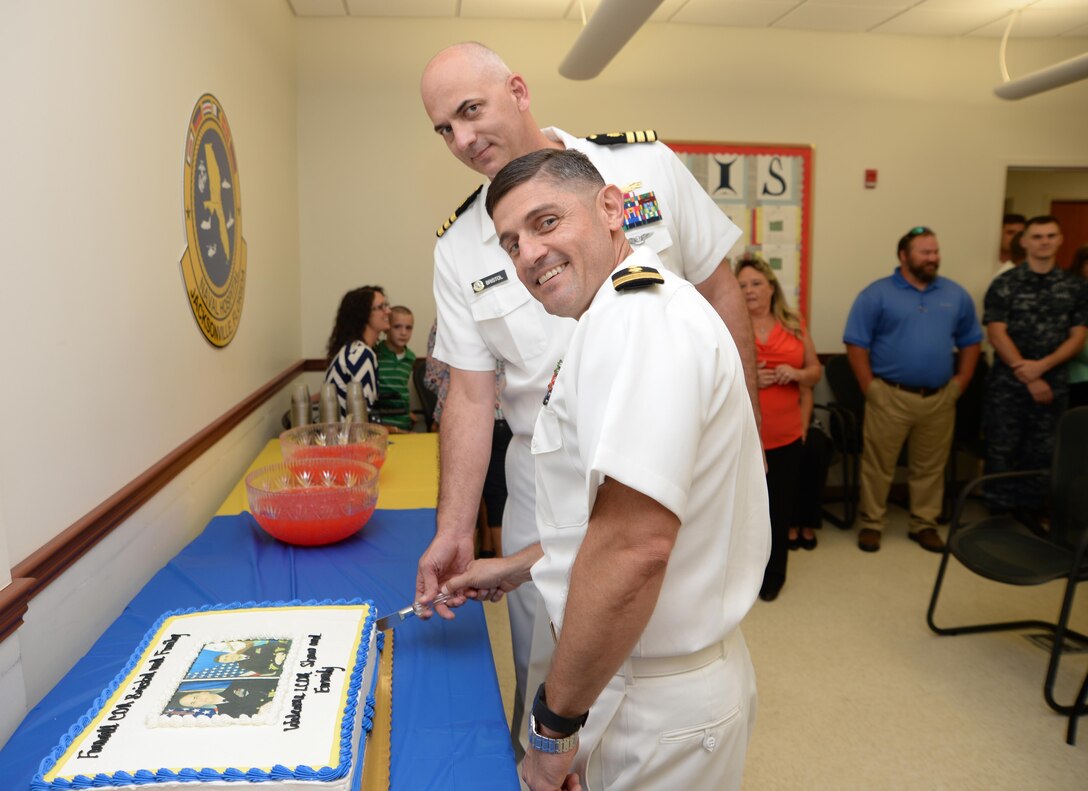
{"x": 870, "y": 179}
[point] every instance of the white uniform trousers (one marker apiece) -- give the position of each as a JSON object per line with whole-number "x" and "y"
{"x": 675, "y": 723}
{"x": 530, "y": 629}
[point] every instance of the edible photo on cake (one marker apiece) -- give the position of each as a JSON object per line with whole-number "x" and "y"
{"x": 233, "y": 658}
{"x": 240, "y": 697}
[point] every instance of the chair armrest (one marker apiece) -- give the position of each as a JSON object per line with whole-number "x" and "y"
{"x": 961, "y": 501}
{"x": 842, "y": 427}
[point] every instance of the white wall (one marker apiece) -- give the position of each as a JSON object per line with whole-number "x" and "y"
{"x": 104, "y": 368}
{"x": 375, "y": 181}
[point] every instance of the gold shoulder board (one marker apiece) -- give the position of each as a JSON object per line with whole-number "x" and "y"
{"x": 636, "y": 277}
{"x": 622, "y": 138}
{"x": 458, "y": 212}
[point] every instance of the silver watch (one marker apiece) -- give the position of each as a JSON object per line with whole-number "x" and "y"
{"x": 545, "y": 744}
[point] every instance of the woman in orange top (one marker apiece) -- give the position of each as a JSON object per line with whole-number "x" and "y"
{"x": 787, "y": 362}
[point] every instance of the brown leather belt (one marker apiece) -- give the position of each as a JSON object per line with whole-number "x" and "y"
{"x": 924, "y": 392}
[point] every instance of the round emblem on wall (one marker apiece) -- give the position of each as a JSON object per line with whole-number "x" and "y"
{"x": 214, "y": 264}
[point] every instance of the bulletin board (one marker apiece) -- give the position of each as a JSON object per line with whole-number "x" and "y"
{"x": 766, "y": 190}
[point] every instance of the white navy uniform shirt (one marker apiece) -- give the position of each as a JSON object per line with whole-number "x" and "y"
{"x": 485, "y": 313}
{"x": 651, "y": 393}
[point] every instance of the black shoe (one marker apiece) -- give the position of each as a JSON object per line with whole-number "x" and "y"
{"x": 769, "y": 592}
{"x": 793, "y": 543}
{"x": 807, "y": 543}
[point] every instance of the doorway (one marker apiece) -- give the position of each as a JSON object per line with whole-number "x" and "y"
{"x": 1060, "y": 192}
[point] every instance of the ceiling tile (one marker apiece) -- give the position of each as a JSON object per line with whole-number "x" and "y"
{"x": 1039, "y": 23}
{"x": 318, "y": 7}
{"x": 742, "y": 13}
{"x": 982, "y": 18}
{"x": 839, "y": 18}
{"x": 997, "y": 7}
{"x": 863, "y": 4}
{"x": 409, "y": 8}
{"x": 924, "y": 21}
{"x": 663, "y": 13}
{"x": 522, "y": 9}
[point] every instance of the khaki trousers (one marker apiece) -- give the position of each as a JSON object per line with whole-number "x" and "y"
{"x": 892, "y": 416}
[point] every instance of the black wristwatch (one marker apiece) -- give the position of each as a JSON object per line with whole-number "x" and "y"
{"x": 549, "y": 719}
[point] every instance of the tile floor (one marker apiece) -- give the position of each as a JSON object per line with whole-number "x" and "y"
{"x": 857, "y": 694}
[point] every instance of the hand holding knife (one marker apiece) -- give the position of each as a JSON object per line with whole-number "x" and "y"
{"x": 393, "y": 619}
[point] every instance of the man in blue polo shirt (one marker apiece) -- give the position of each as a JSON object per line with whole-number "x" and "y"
{"x": 900, "y": 339}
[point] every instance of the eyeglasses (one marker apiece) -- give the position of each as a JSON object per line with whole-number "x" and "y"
{"x": 383, "y": 306}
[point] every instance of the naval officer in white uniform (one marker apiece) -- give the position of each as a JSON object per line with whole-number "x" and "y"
{"x": 651, "y": 502}
{"x": 481, "y": 110}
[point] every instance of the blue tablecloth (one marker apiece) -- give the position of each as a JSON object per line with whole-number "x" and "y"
{"x": 449, "y": 731}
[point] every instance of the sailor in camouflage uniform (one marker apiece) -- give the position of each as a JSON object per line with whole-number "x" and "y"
{"x": 1036, "y": 317}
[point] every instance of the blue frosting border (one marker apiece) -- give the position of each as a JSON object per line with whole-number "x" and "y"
{"x": 278, "y": 772}
{"x": 368, "y": 711}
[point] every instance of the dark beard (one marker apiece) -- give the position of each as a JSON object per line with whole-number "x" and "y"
{"x": 923, "y": 274}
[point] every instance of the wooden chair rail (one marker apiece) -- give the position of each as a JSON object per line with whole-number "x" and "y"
{"x": 43, "y": 566}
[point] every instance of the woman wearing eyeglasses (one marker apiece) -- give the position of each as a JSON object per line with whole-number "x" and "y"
{"x": 362, "y": 317}
{"x": 787, "y": 362}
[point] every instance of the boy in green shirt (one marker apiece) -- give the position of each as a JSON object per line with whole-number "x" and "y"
{"x": 395, "y": 361}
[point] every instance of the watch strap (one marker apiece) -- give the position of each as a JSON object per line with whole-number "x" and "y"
{"x": 555, "y": 722}
{"x": 545, "y": 744}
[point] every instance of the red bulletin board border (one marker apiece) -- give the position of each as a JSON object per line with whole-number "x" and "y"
{"x": 768, "y": 149}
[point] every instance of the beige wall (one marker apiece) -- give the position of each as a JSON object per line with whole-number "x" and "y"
{"x": 1031, "y": 191}
{"x": 375, "y": 181}
{"x": 104, "y": 368}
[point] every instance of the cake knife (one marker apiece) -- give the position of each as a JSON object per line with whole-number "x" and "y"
{"x": 415, "y": 608}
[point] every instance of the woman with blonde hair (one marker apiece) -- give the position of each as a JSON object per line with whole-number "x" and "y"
{"x": 787, "y": 362}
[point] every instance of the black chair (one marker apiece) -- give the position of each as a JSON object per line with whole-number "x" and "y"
{"x": 1080, "y": 707}
{"x": 844, "y": 436}
{"x": 1003, "y": 549}
{"x": 967, "y": 437}
{"x": 844, "y": 420}
{"x": 428, "y": 399}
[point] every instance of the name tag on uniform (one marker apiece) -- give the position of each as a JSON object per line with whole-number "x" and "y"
{"x": 489, "y": 281}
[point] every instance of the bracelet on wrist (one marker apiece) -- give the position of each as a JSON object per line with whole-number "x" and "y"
{"x": 546, "y": 744}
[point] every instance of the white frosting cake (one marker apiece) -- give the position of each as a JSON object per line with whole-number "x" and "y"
{"x": 279, "y": 694}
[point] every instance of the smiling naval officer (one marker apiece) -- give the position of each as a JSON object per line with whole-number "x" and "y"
{"x": 651, "y": 502}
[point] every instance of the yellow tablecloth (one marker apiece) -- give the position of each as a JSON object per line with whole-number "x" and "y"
{"x": 409, "y": 477}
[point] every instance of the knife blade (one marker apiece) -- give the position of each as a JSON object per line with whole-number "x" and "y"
{"x": 393, "y": 619}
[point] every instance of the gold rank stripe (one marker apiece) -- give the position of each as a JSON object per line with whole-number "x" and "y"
{"x": 644, "y": 276}
{"x": 458, "y": 212}
{"x": 620, "y": 138}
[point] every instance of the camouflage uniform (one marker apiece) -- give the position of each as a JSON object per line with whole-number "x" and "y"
{"x": 1039, "y": 311}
